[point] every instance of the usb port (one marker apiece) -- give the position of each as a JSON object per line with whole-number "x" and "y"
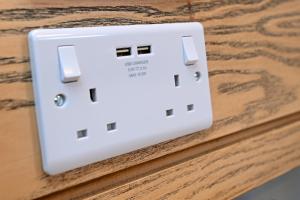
{"x": 144, "y": 49}
{"x": 123, "y": 52}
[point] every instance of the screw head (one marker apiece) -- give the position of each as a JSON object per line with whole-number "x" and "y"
{"x": 59, "y": 100}
{"x": 197, "y": 76}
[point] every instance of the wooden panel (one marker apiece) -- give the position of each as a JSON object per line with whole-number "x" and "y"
{"x": 254, "y": 69}
{"x": 221, "y": 174}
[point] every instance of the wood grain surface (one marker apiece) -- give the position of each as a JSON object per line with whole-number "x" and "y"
{"x": 253, "y": 54}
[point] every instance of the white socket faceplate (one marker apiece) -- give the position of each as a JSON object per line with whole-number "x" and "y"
{"x": 92, "y": 105}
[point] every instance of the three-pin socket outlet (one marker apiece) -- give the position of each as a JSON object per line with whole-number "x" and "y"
{"x": 105, "y": 91}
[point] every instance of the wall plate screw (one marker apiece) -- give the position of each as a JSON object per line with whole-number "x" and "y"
{"x": 197, "y": 76}
{"x": 59, "y": 100}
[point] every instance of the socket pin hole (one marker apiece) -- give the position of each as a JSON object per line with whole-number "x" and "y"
{"x": 169, "y": 112}
{"x": 197, "y": 76}
{"x": 93, "y": 95}
{"x": 60, "y": 100}
{"x": 112, "y": 126}
{"x": 82, "y": 133}
{"x": 176, "y": 80}
{"x": 190, "y": 107}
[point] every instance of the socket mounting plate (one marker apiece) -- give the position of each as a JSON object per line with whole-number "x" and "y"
{"x": 105, "y": 91}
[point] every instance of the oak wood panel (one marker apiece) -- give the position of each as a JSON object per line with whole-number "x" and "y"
{"x": 254, "y": 67}
{"x": 222, "y": 174}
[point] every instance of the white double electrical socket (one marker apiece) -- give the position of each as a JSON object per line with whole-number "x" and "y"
{"x": 105, "y": 91}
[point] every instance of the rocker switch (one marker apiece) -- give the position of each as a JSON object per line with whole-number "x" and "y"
{"x": 189, "y": 51}
{"x": 68, "y": 64}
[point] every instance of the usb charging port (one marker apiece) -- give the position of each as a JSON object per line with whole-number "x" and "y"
{"x": 144, "y": 49}
{"x": 123, "y": 51}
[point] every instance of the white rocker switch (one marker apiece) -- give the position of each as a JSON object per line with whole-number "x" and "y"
{"x": 190, "y": 53}
{"x": 69, "y": 68}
